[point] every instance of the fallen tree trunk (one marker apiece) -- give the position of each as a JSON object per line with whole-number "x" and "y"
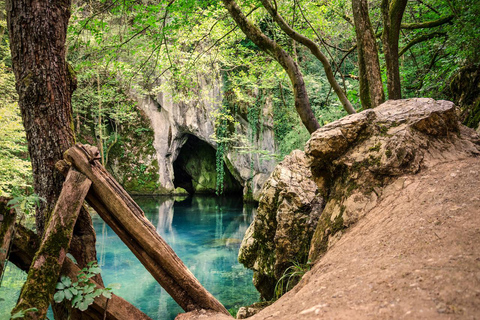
{"x": 7, "y": 227}
{"x": 26, "y": 243}
{"x": 37, "y": 292}
{"x": 128, "y": 221}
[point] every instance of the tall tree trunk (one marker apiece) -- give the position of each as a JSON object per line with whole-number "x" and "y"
{"x": 302, "y": 103}
{"x": 315, "y": 50}
{"x": 45, "y": 82}
{"x": 392, "y": 14}
{"x": 371, "y": 87}
{"x": 37, "y": 31}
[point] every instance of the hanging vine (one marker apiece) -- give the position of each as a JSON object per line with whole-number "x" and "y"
{"x": 224, "y": 119}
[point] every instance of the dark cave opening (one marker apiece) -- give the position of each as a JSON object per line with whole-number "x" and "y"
{"x": 195, "y": 170}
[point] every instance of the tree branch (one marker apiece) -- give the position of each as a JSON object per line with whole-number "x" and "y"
{"x": 428, "y": 24}
{"x": 315, "y": 50}
{"x": 419, "y": 39}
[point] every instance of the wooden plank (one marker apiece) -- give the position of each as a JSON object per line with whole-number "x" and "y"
{"x": 26, "y": 243}
{"x": 7, "y": 227}
{"x": 38, "y": 290}
{"x": 126, "y": 218}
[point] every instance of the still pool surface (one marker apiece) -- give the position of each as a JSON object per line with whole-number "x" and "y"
{"x": 205, "y": 232}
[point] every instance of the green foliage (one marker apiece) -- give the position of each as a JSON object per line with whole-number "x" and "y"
{"x": 290, "y": 277}
{"x": 15, "y": 167}
{"x": 82, "y": 292}
{"x": 22, "y": 313}
{"x": 25, "y": 204}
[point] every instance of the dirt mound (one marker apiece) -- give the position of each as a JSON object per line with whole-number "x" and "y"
{"x": 414, "y": 256}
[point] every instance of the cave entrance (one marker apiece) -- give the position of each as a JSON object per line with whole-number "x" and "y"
{"x": 195, "y": 170}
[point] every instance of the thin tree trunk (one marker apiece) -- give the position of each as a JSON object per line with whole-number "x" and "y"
{"x": 371, "y": 87}
{"x": 392, "y": 13}
{"x": 25, "y": 245}
{"x": 44, "y": 271}
{"x": 100, "y": 121}
{"x": 126, "y": 218}
{"x": 302, "y": 103}
{"x": 315, "y": 50}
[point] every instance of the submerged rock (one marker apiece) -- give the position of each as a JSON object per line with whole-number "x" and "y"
{"x": 346, "y": 168}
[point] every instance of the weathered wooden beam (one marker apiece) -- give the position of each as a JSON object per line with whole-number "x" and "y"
{"x": 37, "y": 292}
{"x": 26, "y": 243}
{"x": 126, "y": 218}
{"x": 7, "y": 227}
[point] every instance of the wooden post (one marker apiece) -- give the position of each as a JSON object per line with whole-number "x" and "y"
{"x": 126, "y": 218}
{"x": 25, "y": 244}
{"x": 7, "y": 227}
{"x": 37, "y": 292}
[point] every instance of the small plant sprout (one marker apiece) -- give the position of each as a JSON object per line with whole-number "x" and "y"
{"x": 82, "y": 292}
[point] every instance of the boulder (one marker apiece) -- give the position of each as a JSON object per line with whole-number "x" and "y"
{"x": 280, "y": 235}
{"x": 347, "y": 166}
{"x": 355, "y": 158}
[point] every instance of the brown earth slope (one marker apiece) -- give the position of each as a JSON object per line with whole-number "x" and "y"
{"x": 409, "y": 244}
{"x": 416, "y": 255}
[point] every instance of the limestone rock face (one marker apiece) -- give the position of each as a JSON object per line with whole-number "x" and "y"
{"x": 346, "y": 167}
{"x": 174, "y": 123}
{"x": 287, "y": 214}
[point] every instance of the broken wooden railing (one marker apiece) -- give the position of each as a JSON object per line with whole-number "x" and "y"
{"x": 125, "y": 217}
{"x": 7, "y": 227}
{"x": 24, "y": 246}
{"x": 87, "y": 178}
{"x": 45, "y": 269}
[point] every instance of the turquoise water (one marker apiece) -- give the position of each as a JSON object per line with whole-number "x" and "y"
{"x": 205, "y": 232}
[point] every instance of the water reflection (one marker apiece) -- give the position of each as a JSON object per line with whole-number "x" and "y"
{"x": 205, "y": 232}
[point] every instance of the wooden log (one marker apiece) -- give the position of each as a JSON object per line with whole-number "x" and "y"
{"x": 37, "y": 292}
{"x": 126, "y": 218}
{"x": 7, "y": 227}
{"x": 26, "y": 243}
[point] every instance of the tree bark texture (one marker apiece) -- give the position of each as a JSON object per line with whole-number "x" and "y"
{"x": 25, "y": 245}
{"x": 44, "y": 271}
{"x": 371, "y": 87}
{"x": 392, "y": 14}
{"x": 37, "y": 31}
{"x": 128, "y": 221}
{"x": 315, "y": 50}
{"x": 7, "y": 229}
{"x": 302, "y": 103}
{"x": 44, "y": 82}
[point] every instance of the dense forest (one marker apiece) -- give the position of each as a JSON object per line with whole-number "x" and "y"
{"x": 83, "y": 72}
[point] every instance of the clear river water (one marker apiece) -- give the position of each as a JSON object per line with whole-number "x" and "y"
{"x": 205, "y": 232}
